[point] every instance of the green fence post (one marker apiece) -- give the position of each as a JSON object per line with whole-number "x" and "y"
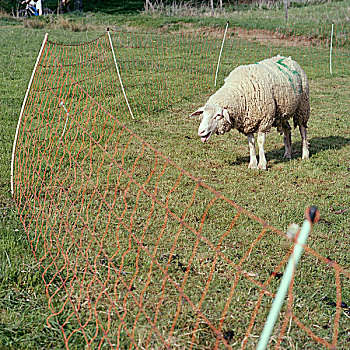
{"x": 312, "y": 215}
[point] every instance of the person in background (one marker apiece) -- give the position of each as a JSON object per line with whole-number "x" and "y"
{"x": 64, "y": 6}
{"x": 37, "y": 3}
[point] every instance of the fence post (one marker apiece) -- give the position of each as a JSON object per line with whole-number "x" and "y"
{"x": 222, "y": 45}
{"x": 65, "y": 124}
{"x": 286, "y": 10}
{"x": 22, "y": 109}
{"x": 330, "y": 51}
{"x": 119, "y": 77}
{"x": 312, "y": 215}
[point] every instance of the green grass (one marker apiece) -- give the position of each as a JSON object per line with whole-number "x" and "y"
{"x": 279, "y": 196}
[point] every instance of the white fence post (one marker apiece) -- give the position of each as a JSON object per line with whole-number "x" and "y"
{"x": 222, "y": 45}
{"x": 120, "y": 78}
{"x": 330, "y": 51}
{"x": 22, "y": 109}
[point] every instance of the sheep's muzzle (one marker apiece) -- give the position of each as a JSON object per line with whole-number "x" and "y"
{"x": 206, "y": 137}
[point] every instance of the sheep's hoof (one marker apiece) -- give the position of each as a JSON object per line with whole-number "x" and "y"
{"x": 262, "y": 166}
{"x": 253, "y": 166}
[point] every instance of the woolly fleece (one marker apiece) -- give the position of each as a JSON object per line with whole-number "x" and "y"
{"x": 265, "y": 94}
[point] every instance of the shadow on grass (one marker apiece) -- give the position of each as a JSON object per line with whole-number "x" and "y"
{"x": 317, "y": 145}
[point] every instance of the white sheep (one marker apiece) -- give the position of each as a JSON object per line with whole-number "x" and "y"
{"x": 256, "y": 97}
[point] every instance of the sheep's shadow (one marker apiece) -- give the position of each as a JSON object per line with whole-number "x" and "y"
{"x": 317, "y": 145}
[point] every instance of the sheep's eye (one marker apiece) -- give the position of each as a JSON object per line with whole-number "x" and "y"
{"x": 217, "y": 116}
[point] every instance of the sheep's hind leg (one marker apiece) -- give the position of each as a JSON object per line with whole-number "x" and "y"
{"x": 262, "y": 159}
{"x": 305, "y": 144}
{"x": 287, "y": 140}
{"x": 253, "y": 164}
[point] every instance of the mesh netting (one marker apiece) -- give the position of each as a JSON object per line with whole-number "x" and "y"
{"x": 156, "y": 70}
{"x": 309, "y": 46}
{"x": 131, "y": 248}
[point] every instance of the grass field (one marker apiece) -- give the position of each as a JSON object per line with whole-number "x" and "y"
{"x": 279, "y": 195}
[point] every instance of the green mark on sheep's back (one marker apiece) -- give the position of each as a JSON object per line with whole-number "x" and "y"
{"x": 289, "y": 77}
{"x": 284, "y": 65}
{"x": 280, "y": 62}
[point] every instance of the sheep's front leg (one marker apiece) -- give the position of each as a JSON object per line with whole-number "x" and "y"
{"x": 253, "y": 164}
{"x": 262, "y": 159}
{"x": 287, "y": 140}
{"x": 305, "y": 144}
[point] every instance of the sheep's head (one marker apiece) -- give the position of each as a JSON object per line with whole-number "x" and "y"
{"x": 215, "y": 119}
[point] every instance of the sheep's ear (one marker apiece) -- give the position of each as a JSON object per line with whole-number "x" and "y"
{"x": 197, "y": 112}
{"x": 226, "y": 115}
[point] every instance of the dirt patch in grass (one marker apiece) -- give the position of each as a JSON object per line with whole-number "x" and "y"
{"x": 268, "y": 37}
{"x": 289, "y": 38}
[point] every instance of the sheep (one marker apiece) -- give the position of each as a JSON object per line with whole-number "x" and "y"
{"x": 256, "y": 97}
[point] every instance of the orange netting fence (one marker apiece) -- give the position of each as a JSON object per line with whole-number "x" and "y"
{"x": 158, "y": 71}
{"x": 315, "y": 49}
{"x": 134, "y": 251}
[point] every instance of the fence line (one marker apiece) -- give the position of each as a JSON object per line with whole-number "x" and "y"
{"x": 22, "y": 108}
{"x": 119, "y": 77}
{"x": 132, "y": 252}
{"x": 160, "y": 70}
{"x": 309, "y": 46}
